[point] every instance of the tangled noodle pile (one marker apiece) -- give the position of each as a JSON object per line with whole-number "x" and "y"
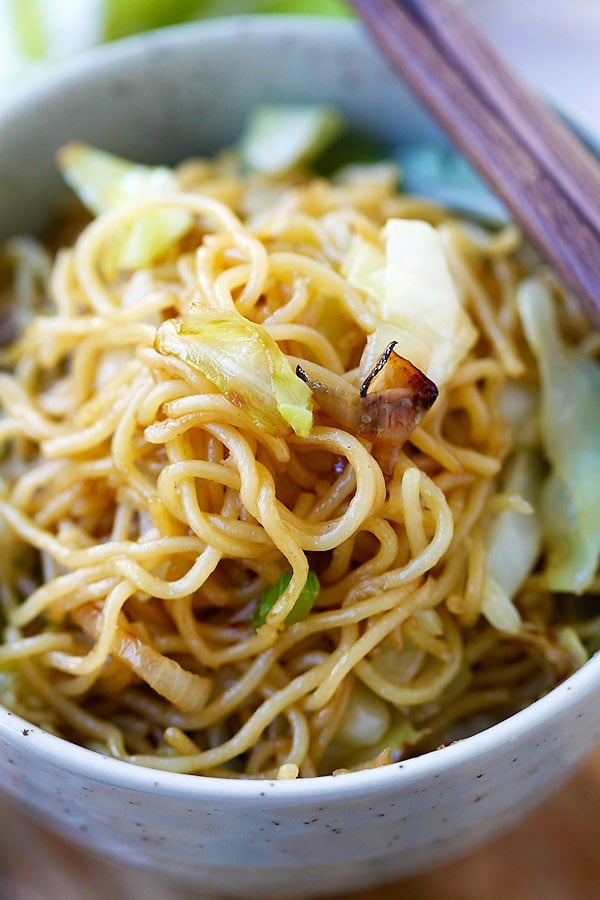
{"x": 254, "y": 525}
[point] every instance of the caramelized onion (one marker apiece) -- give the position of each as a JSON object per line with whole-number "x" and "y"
{"x": 389, "y": 404}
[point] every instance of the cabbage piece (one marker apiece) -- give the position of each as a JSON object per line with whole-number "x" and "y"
{"x": 420, "y": 295}
{"x": 366, "y": 720}
{"x": 364, "y": 268}
{"x": 514, "y": 542}
{"x": 498, "y": 608}
{"x": 410, "y": 287}
{"x": 396, "y": 741}
{"x": 280, "y": 139}
{"x": 243, "y": 361}
{"x": 102, "y": 181}
{"x": 429, "y": 620}
{"x": 519, "y": 405}
{"x": 570, "y": 430}
{"x": 570, "y": 641}
{"x": 399, "y": 666}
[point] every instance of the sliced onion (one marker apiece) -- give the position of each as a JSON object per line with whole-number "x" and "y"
{"x": 186, "y": 690}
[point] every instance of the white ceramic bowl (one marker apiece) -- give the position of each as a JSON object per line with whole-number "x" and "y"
{"x": 160, "y": 98}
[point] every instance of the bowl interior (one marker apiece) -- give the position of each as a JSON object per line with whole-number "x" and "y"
{"x": 168, "y": 95}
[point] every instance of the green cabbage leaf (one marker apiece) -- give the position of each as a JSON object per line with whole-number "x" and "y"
{"x": 570, "y": 433}
{"x": 514, "y": 542}
{"x": 102, "y": 181}
{"x": 283, "y": 138}
{"x": 409, "y": 286}
{"x": 244, "y": 363}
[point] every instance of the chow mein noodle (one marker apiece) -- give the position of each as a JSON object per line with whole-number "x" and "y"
{"x": 257, "y": 523}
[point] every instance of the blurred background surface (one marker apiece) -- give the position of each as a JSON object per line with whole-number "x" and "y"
{"x": 555, "y": 45}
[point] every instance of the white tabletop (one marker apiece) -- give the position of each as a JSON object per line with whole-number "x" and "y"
{"x": 554, "y": 45}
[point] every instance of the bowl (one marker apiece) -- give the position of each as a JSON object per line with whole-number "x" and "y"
{"x": 162, "y": 97}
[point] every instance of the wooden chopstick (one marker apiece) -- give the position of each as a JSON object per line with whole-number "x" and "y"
{"x": 540, "y": 169}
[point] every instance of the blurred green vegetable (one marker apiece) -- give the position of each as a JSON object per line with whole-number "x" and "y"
{"x": 273, "y": 592}
{"x": 29, "y": 28}
{"x": 124, "y": 17}
{"x": 365, "y": 741}
{"x": 102, "y": 180}
{"x": 514, "y": 542}
{"x": 570, "y": 431}
{"x": 34, "y": 33}
{"x": 282, "y": 138}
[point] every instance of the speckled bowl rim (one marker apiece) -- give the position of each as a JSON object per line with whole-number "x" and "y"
{"x": 510, "y": 732}
{"x": 70, "y": 757}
